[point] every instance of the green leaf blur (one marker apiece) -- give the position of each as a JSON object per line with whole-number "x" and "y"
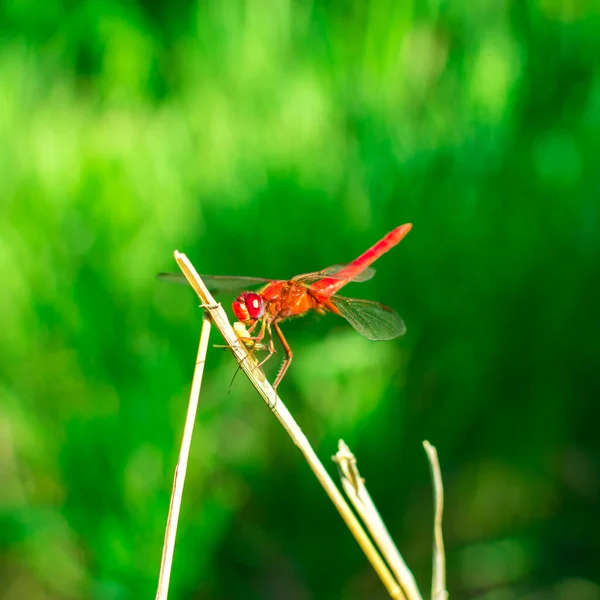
{"x": 270, "y": 139}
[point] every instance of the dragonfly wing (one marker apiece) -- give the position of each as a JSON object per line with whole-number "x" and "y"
{"x": 371, "y": 319}
{"x": 172, "y": 278}
{"x": 216, "y": 283}
{"x": 335, "y": 272}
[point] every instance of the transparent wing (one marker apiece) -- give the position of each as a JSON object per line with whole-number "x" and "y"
{"x": 371, "y": 319}
{"x": 217, "y": 283}
{"x": 335, "y": 272}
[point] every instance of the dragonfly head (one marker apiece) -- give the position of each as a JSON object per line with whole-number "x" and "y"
{"x": 249, "y": 306}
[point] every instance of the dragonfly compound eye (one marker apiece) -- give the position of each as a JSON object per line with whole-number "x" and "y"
{"x": 248, "y": 306}
{"x": 254, "y": 305}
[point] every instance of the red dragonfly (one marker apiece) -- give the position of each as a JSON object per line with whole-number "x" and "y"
{"x": 279, "y": 300}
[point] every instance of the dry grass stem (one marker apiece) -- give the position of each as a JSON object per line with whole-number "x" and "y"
{"x": 438, "y": 583}
{"x": 354, "y": 486}
{"x": 248, "y": 366}
{"x": 181, "y": 468}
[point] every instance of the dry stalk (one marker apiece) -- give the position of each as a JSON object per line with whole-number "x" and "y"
{"x": 181, "y": 468}
{"x": 354, "y": 486}
{"x": 438, "y": 583}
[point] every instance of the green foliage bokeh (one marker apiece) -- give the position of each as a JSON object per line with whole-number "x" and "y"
{"x": 270, "y": 139}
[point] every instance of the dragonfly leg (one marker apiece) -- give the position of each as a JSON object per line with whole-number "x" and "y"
{"x": 271, "y": 348}
{"x": 253, "y": 327}
{"x": 251, "y": 342}
{"x": 288, "y": 356}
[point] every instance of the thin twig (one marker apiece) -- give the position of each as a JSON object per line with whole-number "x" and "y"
{"x": 258, "y": 380}
{"x": 354, "y": 486}
{"x": 438, "y": 583}
{"x": 179, "y": 479}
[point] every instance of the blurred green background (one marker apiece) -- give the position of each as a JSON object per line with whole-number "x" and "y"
{"x": 270, "y": 139}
